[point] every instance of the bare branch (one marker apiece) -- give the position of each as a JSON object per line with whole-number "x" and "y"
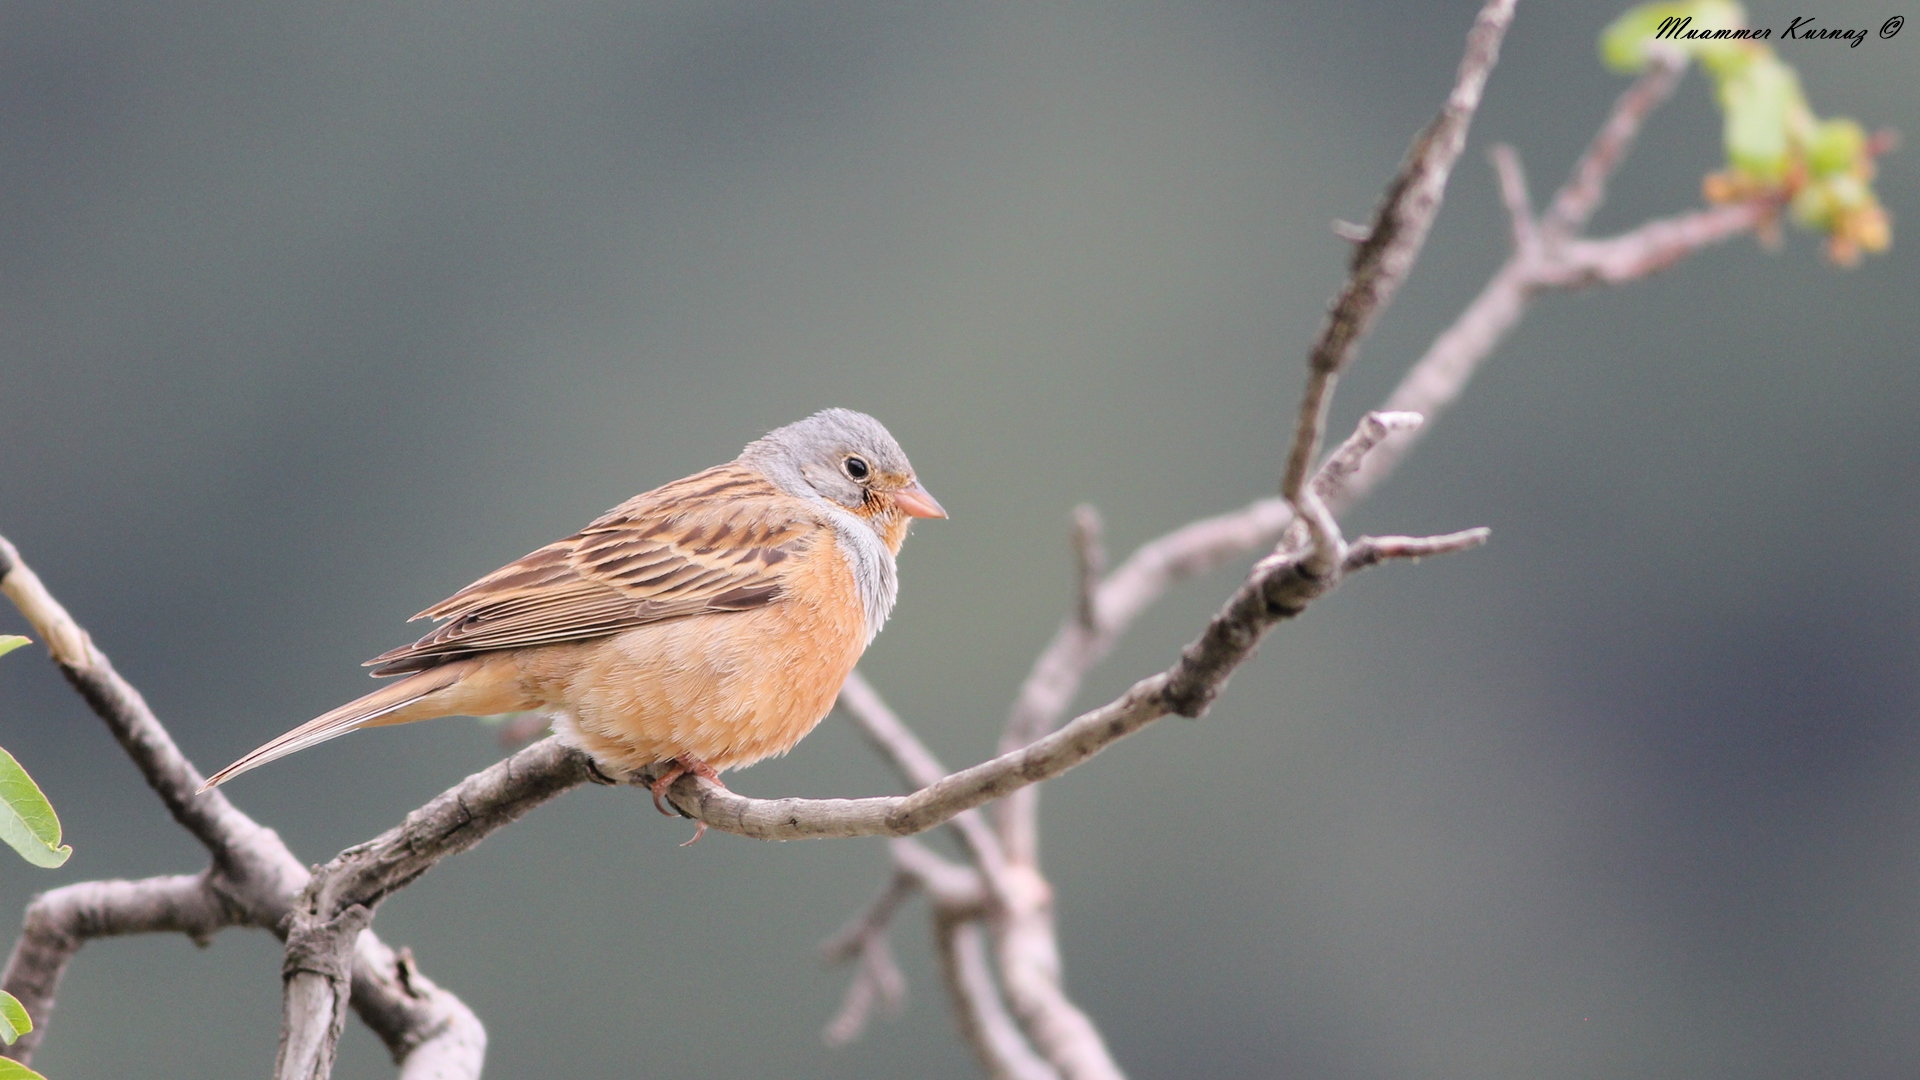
{"x": 1557, "y": 260}
{"x": 1372, "y": 431}
{"x": 338, "y": 903}
{"x": 1276, "y": 591}
{"x": 878, "y": 979}
{"x": 984, "y": 1022}
{"x": 250, "y": 856}
{"x": 915, "y": 763}
{"x": 1586, "y": 187}
{"x": 1652, "y": 247}
{"x": 1091, "y": 555}
{"x": 1133, "y": 587}
{"x": 954, "y": 890}
{"x": 1399, "y": 230}
{"x": 951, "y": 887}
{"x": 1513, "y": 196}
{"x": 59, "y": 921}
{"x": 1351, "y": 231}
{"x": 1029, "y": 957}
{"x": 1370, "y": 550}
{"x": 430, "y": 1032}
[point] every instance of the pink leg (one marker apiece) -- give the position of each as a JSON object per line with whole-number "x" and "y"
{"x": 682, "y": 765}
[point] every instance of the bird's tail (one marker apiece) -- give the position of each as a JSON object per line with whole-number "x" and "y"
{"x": 417, "y": 697}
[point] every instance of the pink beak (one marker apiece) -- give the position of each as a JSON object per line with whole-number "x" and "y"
{"x": 918, "y": 502}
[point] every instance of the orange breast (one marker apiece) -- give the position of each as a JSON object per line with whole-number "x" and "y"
{"x": 728, "y": 688}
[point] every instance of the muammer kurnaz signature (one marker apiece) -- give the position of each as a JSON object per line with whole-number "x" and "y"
{"x": 1801, "y": 29}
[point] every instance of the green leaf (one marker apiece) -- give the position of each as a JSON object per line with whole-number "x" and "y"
{"x": 13, "y": 1070}
{"x": 14, "y": 1021}
{"x": 1625, "y": 41}
{"x": 27, "y": 821}
{"x": 1836, "y": 146}
{"x": 1628, "y": 42}
{"x": 10, "y": 642}
{"x": 1760, "y": 101}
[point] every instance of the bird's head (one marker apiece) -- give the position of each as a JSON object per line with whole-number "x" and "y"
{"x": 847, "y": 458}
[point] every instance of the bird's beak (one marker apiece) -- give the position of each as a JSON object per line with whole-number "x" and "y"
{"x": 917, "y": 501}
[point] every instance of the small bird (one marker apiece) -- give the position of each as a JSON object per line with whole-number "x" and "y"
{"x": 705, "y": 624}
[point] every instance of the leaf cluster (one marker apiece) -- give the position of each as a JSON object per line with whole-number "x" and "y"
{"x": 29, "y": 825}
{"x": 1777, "y": 148}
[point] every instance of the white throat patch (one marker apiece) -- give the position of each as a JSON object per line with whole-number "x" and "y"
{"x": 872, "y": 564}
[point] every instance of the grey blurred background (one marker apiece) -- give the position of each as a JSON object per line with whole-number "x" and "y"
{"x": 310, "y": 314}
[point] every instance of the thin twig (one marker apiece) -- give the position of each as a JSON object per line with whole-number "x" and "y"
{"x": 1372, "y": 550}
{"x": 1650, "y": 248}
{"x": 1548, "y": 254}
{"x": 877, "y": 978}
{"x": 1130, "y": 589}
{"x": 1586, "y": 186}
{"x": 1381, "y": 262}
{"x": 1512, "y": 178}
{"x": 1090, "y": 553}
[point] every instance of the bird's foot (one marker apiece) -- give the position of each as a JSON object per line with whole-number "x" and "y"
{"x": 682, "y": 765}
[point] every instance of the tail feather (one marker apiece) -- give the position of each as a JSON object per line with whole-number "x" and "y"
{"x": 383, "y": 706}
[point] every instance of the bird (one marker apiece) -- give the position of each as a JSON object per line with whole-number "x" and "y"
{"x": 701, "y": 626}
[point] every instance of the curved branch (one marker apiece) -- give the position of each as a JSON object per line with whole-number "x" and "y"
{"x": 984, "y": 1022}
{"x": 254, "y": 877}
{"x": 338, "y": 902}
{"x": 61, "y": 920}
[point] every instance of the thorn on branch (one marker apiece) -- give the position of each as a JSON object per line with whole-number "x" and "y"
{"x": 1351, "y": 231}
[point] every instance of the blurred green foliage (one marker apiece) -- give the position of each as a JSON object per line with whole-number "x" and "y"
{"x": 23, "y": 805}
{"x": 27, "y": 821}
{"x": 1777, "y": 148}
{"x": 13, "y": 1070}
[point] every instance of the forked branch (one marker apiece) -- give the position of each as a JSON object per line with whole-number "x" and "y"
{"x": 253, "y": 880}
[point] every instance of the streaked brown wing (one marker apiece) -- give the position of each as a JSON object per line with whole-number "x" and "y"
{"x": 715, "y": 541}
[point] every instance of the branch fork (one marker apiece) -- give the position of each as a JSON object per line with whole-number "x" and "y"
{"x": 991, "y": 907}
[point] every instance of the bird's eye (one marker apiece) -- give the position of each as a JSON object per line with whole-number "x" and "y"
{"x": 856, "y": 468}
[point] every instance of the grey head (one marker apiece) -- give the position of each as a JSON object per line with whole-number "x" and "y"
{"x": 845, "y": 457}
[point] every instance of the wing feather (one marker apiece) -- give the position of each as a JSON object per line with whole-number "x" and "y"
{"x": 670, "y": 553}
